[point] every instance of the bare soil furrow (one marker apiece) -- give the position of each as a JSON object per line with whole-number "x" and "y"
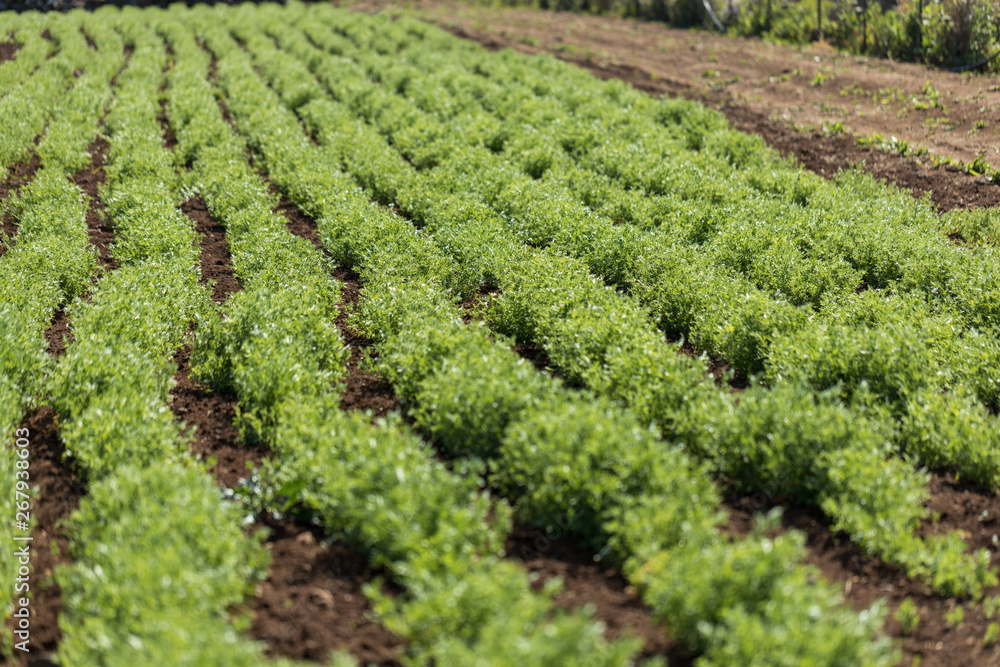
{"x": 59, "y": 334}
{"x": 313, "y": 601}
{"x": 587, "y": 581}
{"x": 215, "y": 258}
{"x": 212, "y": 414}
{"x": 363, "y": 390}
{"x": 209, "y": 412}
{"x": 8, "y": 50}
{"x": 18, "y": 176}
{"x": 169, "y": 138}
{"x": 89, "y": 179}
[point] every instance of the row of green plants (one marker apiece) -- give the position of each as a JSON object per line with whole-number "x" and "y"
{"x": 50, "y": 260}
{"x": 377, "y": 485}
{"x": 978, "y": 226}
{"x": 781, "y": 246}
{"x": 154, "y": 530}
{"x": 32, "y": 49}
{"x": 50, "y": 264}
{"x": 584, "y": 329}
{"x": 919, "y": 255}
{"x": 29, "y": 105}
{"x": 898, "y": 247}
{"x": 68, "y": 134}
{"x": 159, "y": 557}
{"x": 564, "y": 457}
{"x": 945, "y": 357}
{"x": 519, "y": 175}
{"x": 167, "y": 512}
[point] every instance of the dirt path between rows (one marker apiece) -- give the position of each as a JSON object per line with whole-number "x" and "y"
{"x": 89, "y": 180}
{"x": 362, "y": 389}
{"x": 18, "y": 176}
{"x": 8, "y": 50}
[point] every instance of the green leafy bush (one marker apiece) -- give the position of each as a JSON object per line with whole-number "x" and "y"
{"x": 158, "y": 552}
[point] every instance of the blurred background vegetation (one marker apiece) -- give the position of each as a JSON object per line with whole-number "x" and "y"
{"x": 959, "y": 34}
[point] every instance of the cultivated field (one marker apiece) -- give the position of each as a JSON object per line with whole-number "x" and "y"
{"x": 335, "y": 337}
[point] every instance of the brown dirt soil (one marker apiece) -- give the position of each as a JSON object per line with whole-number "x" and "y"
{"x": 863, "y": 580}
{"x": 363, "y": 390}
{"x": 59, "y": 493}
{"x": 769, "y": 98}
{"x": 537, "y": 355}
{"x": 169, "y": 138}
{"x": 216, "y": 261}
{"x": 211, "y": 414}
{"x": 313, "y": 603}
{"x": 586, "y": 582}
{"x": 90, "y": 42}
{"x": 720, "y": 370}
{"x": 474, "y": 304}
{"x": 948, "y": 186}
{"x": 59, "y": 333}
{"x": 8, "y": 50}
{"x": 89, "y": 179}
{"x": 18, "y": 176}
{"x": 129, "y": 50}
